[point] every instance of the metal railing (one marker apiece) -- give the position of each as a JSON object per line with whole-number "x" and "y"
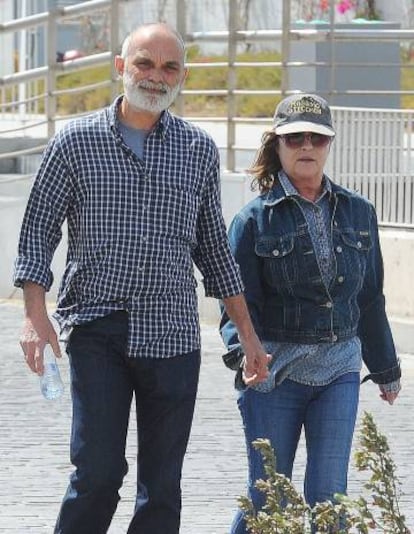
{"x": 49, "y": 73}
{"x": 374, "y": 148}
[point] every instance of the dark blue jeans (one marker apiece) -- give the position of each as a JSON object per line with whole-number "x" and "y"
{"x": 326, "y": 413}
{"x": 103, "y": 381}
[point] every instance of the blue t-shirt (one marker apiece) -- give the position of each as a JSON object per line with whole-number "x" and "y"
{"x": 134, "y": 138}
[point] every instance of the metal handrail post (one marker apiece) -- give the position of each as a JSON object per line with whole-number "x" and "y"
{"x": 114, "y": 46}
{"x": 231, "y": 84}
{"x": 332, "y": 42}
{"x": 23, "y": 64}
{"x": 285, "y": 45}
{"x": 181, "y": 18}
{"x": 50, "y": 104}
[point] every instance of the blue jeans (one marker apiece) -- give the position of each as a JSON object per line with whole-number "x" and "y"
{"x": 103, "y": 381}
{"x": 327, "y": 414}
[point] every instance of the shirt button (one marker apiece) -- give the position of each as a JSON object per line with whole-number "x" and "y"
{"x": 359, "y": 244}
{"x": 339, "y": 249}
{"x": 334, "y": 338}
{"x": 275, "y": 252}
{"x": 328, "y": 304}
{"x": 144, "y": 238}
{"x": 341, "y": 279}
{"x": 335, "y": 223}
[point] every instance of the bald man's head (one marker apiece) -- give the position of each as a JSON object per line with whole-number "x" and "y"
{"x": 152, "y": 67}
{"x": 152, "y": 30}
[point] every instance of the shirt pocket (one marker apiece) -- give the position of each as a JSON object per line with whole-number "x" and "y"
{"x": 280, "y": 263}
{"x": 179, "y": 210}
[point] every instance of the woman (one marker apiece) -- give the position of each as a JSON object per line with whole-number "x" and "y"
{"x": 311, "y": 263}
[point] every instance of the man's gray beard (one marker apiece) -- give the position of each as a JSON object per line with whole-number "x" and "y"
{"x": 139, "y": 98}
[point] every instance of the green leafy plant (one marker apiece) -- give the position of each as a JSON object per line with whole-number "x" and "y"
{"x": 384, "y": 486}
{"x": 248, "y": 77}
{"x": 286, "y": 512}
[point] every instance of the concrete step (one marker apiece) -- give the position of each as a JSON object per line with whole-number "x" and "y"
{"x": 25, "y": 163}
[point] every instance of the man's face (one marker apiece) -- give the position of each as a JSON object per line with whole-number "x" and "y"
{"x": 147, "y": 95}
{"x": 153, "y": 71}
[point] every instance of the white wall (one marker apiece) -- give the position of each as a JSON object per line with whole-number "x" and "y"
{"x": 397, "y": 11}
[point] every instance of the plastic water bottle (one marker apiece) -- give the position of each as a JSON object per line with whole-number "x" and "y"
{"x": 51, "y": 384}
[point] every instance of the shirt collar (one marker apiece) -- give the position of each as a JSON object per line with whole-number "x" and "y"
{"x": 290, "y": 189}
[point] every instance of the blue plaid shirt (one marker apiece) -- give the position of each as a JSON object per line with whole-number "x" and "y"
{"x": 135, "y": 227}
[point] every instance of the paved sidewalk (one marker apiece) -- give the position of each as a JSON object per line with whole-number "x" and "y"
{"x": 34, "y": 442}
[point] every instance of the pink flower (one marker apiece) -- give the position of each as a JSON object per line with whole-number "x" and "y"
{"x": 344, "y": 6}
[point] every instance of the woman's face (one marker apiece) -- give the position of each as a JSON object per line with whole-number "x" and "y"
{"x": 303, "y": 155}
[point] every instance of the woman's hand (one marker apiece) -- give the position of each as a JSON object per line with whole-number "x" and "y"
{"x": 387, "y": 395}
{"x": 255, "y": 367}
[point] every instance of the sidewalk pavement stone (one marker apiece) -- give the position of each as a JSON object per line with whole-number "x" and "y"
{"x": 34, "y": 444}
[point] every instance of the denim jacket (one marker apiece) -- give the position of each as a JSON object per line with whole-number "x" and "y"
{"x": 287, "y": 298}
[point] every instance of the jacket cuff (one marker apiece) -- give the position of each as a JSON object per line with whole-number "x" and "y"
{"x": 234, "y": 358}
{"x": 384, "y": 377}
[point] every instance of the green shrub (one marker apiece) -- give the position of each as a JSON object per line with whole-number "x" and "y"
{"x": 286, "y": 512}
{"x": 248, "y": 77}
{"x": 89, "y": 100}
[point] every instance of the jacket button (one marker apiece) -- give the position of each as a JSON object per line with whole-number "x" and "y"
{"x": 339, "y": 249}
{"x": 328, "y": 304}
{"x": 275, "y": 252}
{"x": 359, "y": 244}
{"x": 334, "y": 338}
{"x": 340, "y": 279}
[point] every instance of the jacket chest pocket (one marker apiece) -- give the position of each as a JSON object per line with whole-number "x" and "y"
{"x": 352, "y": 251}
{"x": 280, "y": 262}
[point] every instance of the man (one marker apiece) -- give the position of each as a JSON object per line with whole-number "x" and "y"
{"x": 139, "y": 189}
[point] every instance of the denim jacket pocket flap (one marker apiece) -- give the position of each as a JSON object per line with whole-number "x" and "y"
{"x": 274, "y": 247}
{"x": 358, "y": 240}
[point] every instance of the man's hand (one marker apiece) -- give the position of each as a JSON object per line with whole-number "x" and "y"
{"x": 256, "y": 362}
{"x": 37, "y": 329}
{"x": 35, "y": 335}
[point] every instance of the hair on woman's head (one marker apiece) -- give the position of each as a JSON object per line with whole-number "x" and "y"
{"x": 266, "y": 164}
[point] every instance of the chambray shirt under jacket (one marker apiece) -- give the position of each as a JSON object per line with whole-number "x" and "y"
{"x": 135, "y": 227}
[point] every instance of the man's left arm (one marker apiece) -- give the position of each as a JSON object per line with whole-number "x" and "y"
{"x": 256, "y": 360}
{"x": 221, "y": 276}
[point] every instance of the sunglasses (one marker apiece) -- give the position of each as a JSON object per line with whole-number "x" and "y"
{"x": 297, "y": 140}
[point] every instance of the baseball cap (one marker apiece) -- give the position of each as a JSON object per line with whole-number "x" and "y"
{"x": 303, "y": 113}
